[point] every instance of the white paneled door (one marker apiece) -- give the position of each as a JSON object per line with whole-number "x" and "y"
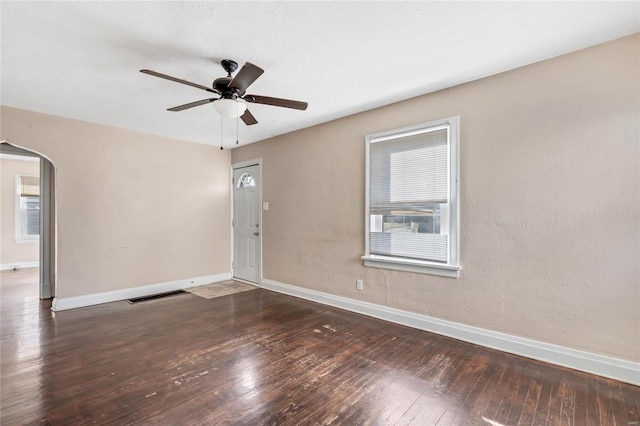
{"x": 246, "y": 223}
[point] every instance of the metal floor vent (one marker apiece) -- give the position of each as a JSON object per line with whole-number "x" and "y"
{"x": 155, "y": 296}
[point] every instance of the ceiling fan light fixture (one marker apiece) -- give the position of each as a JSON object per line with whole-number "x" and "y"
{"x": 230, "y": 108}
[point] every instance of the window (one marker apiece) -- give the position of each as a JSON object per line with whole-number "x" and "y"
{"x": 246, "y": 181}
{"x": 27, "y": 208}
{"x": 412, "y": 215}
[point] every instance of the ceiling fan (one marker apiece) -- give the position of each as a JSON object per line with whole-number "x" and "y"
{"x": 231, "y": 90}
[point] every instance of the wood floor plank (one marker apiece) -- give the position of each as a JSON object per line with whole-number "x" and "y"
{"x": 617, "y": 403}
{"x": 593, "y": 403}
{"x": 579, "y": 388}
{"x": 262, "y": 358}
{"x": 466, "y": 402}
{"x": 544, "y": 397}
{"x": 503, "y": 400}
{"x": 631, "y": 403}
{"x": 567, "y": 397}
{"x": 517, "y": 403}
{"x": 554, "y": 408}
{"x": 493, "y": 385}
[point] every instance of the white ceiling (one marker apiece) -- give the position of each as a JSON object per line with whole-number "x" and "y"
{"x": 81, "y": 59}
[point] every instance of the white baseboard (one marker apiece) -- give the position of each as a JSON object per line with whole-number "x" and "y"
{"x": 61, "y": 304}
{"x": 601, "y": 365}
{"x": 19, "y": 265}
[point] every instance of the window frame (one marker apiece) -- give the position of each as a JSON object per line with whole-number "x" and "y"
{"x": 452, "y": 267}
{"x": 20, "y": 213}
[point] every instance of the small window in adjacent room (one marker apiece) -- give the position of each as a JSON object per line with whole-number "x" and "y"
{"x": 27, "y": 208}
{"x": 412, "y": 214}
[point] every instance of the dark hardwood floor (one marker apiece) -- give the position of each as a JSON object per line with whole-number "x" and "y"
{"x": 261, "y": 358}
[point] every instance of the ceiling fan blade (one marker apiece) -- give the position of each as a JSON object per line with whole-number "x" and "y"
{"x": 248, "y": 118}
{"x": 247, "y": 75}
{"x": 266, "y": 100}
{"x": 192, "y": 104}
{"x": 178, "y": 80}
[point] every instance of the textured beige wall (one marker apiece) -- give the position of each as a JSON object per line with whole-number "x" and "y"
{"x": 10, "y": 250}
{"x": 133, "y": 209}
{"x": 549, "y": 203}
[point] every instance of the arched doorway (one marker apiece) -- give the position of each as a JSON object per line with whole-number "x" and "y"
{"x": 47, "y": 249}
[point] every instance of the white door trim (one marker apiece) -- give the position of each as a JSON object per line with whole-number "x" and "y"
{"x": 240, "y": 165}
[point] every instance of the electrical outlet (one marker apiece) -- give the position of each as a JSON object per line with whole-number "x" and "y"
{"x": 359, "y": 284}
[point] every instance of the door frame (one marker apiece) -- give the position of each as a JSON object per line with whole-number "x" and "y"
{"x": 47, "y": 259}
{"x": 240, "y": 165}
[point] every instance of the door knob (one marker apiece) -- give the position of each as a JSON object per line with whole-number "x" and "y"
{"x": 256, "y": 233}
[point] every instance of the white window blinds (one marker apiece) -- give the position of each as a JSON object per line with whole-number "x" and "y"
{"x": 28, "y": 207}
{"x": 409, "y": 195}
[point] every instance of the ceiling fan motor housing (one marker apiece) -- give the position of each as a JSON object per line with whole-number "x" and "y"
{"x": 222, "y": 86}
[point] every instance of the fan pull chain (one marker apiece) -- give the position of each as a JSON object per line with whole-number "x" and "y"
{"x": 221, "y": 148}
{"x": 237, "y": 119}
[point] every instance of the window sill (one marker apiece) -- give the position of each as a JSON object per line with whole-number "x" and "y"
{"x": 411, "y": 265}
{"x": 26, "y": 240}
